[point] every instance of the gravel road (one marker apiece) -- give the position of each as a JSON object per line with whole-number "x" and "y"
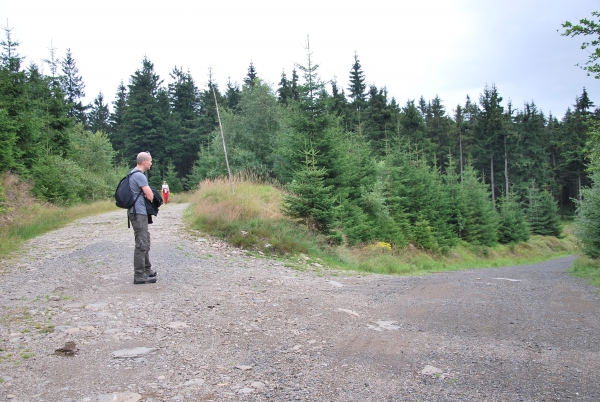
{"x": 223, "y": 325}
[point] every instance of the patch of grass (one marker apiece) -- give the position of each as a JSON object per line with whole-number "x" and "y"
{"x": 27, "y": 354}
{"x": 585, "y": 267}
{"x": 46, "y": 329}
{"x": 250, "y": 219}
{"x": 15, "y": 316}
{"x": 180, "y": 198}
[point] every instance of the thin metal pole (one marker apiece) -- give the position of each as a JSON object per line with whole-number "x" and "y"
{"x": 223, "y": 138}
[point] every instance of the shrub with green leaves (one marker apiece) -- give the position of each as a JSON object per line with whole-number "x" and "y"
{"x": 57, "y": 179}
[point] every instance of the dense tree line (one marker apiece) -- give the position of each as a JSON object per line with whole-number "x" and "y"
{"x": 359, "y": 165}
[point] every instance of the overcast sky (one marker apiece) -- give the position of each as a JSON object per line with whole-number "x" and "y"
{"x": 448, "y": 48}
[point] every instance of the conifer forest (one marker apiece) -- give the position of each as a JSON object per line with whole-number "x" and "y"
{"x": 357, "y": 165}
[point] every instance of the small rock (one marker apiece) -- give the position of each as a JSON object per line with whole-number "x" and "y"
{"x": 335, "y": 283}
{"x": 54, "y": 298}
{"x": 73, "y": 306}
{"x": 257, "y": 385}
{"x": 10, "y": 396}
{"x": 244, "y": 368}
{"x": 96, "y": 306}
{"x": 349, "y": 312}
{"x": 120, "y": 397}
{"x": 196, "y": 381}
{"x": 132, "y": 353}
{"x": 177, "y": 324}
{"x": 246, "y": 390}
{"x": 430, "y": 370}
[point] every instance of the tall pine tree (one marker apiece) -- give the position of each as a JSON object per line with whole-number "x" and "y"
{"x": 99, "y": 115}
{"x": 73, "y": 87}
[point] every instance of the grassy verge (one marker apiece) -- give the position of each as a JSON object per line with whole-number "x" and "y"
{"x": 251, "y": 219}
{"x": 585, "y": 267}
{"x": 35, "y": 219}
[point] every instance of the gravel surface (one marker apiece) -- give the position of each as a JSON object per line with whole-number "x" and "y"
{"x": 223, "y": 325}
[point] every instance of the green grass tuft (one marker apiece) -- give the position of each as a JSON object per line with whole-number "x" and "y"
{"x": 585, "y": 267}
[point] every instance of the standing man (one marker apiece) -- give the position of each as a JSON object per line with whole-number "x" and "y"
{"x": 165, "y": 191}
{"x": 142, "y": 268}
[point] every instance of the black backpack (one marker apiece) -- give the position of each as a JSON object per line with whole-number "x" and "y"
{"x": 123, "y": 196}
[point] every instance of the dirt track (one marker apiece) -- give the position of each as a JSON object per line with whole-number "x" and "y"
{"x": 222, "y": 325}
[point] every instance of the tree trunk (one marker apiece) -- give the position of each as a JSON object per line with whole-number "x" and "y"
{"x": 506, "y": 166}
{"x": 461, "y": 155}
{"x": 492, "y": 179}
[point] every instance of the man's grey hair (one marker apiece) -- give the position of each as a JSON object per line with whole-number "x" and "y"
{"x": 142, "y": 157}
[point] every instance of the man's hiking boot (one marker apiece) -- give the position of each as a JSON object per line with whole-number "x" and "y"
{"x": 151, "y": 273}
{"x": 145, "y": 279}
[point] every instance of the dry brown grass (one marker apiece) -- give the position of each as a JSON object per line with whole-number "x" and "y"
{"x": 215, "y": 201}
{"x": 20, "y": 203}
{"x": 27, "y": 217}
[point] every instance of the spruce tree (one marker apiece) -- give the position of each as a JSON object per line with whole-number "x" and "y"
{"x": 294, "y": 90}
{"x": 488, "y": 137}
{"x": 458, "y": 133}
{"x": 480, "y": 219}
{"x": 171, "y": 178}
{"x": 185, "y": 121}
{"x": 412, "y": 126}
{"x": 117, "y": 132}
{"x": 73, "y": 88}
{"x": 55, "y": 116}
{"x": 143, "y": 121}
{"x": 310, "y": 200}
{"x": 543, "y": 212}
{"x": 284, "y": 92}
{"x": 533, "y": 160}
{"x": 572, "y": 160}
{"x": 438, "y": 130}
{"x": 251, "y": 76}
{"x": 513, "y": 226}
{"x": 99, "y": 115}
{"x": 357, "y": 93}
{"x": 9, "y": 58}
{"x": 338, "y": 101}
{"x": 378, "y": 119}
{"x": 14, "y": 106}
{"x": 423, "y": 107}
{"x": 233, "y": 94}
{"x": 419, "y": 194}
